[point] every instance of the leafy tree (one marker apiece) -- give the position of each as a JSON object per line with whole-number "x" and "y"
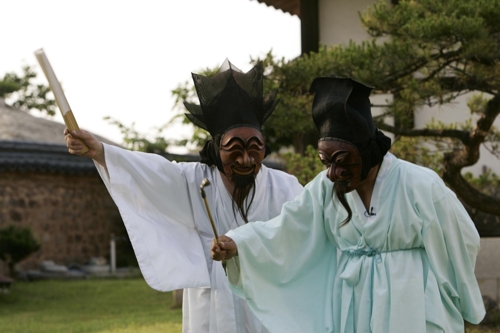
{"x": 423, "y": 52}
{"x": 27, "y": 95}
{"x": 304, "y": 167}
{"x": 16, "y": 244}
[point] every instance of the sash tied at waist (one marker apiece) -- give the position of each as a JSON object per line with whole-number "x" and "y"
{"x": 352, "y": 269}
{"x": 362, "y": 252}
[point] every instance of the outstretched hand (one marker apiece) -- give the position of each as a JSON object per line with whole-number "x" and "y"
{"x": 96, "y": 150}
{"x": 225, "y": 250}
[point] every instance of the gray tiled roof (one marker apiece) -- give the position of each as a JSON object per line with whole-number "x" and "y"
{"x": 42, "y": 157}
{"x": 29, "y": 143}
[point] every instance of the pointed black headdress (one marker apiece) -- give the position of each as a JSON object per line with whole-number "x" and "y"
{"x": 229, "y": 99}
{"x": 342, "y": 110}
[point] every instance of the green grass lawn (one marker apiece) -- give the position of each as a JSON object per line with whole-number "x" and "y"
{"x": 104, "y": 306}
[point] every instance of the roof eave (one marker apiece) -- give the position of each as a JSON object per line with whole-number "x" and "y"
{"x": 291, "y": 7}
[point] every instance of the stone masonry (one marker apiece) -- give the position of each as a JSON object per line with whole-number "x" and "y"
{"x": 72, "y": 216}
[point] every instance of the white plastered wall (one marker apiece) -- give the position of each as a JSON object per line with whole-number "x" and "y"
{"x": 339, "y": 21}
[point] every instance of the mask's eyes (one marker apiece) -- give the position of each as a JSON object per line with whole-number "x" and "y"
{"x": 255, "y": 145}
{"x": 235, "y": 144}
{"x": 325, "y": 160}
{"x": 340, "y": 157}
{"x": 232, "y": 146}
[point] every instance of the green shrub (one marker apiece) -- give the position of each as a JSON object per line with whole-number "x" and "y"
{"x": 306, "y": 167}
{"x": 16, "y": 244}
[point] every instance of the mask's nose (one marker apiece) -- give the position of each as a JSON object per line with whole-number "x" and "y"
{"x": 245, "y": 160}
{"x": 336, "y": 173}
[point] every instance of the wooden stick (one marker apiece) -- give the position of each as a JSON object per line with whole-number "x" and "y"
{"x": 62, "y": 102}
{"x": 204, "y": 183}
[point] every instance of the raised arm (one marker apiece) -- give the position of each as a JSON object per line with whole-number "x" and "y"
{"x": 96, "y": 149}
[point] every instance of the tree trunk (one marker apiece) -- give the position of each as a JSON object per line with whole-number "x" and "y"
{"x": 456, "y": 160}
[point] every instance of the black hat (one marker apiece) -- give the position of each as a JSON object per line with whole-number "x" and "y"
{"x": 231, "y": 98}
{"x": 342, "y": 110}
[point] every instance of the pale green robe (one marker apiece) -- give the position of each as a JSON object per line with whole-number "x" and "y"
{"x": 407, "y": 269}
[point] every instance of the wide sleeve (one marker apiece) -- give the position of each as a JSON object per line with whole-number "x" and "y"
{"x": 452, "y": 244}
{"x": 153, "y": 199}
{"x": 285, "y": 267}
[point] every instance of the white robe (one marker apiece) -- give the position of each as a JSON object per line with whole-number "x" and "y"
{"x": 168, "y": 225}
{"x": 409, "y": 268}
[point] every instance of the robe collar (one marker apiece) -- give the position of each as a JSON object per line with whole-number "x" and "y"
{"x": 385, "y": 167}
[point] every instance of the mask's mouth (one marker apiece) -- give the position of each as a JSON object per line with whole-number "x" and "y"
{"x": 344, "y": 182}
{"x": 242, "y": 171}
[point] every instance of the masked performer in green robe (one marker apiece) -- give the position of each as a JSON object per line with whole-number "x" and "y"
{"x": 374, "y": 244}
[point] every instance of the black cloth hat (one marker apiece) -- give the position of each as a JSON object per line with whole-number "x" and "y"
{"x": 231, "y": 98}
{"x": 342, "y": 110}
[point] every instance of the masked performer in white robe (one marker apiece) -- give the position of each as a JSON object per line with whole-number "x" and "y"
{"x": 162, "y": 208}
{"x": 407, "y": 247}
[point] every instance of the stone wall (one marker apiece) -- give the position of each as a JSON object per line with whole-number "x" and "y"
{"x": 72, "y": 216}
